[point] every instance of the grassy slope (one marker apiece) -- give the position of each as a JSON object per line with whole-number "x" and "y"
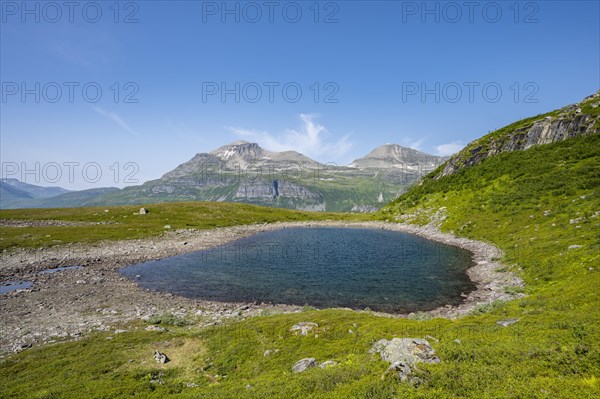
{"x": 122, "y": 223}
{"x": 552, "y": 352}
{"x": 518, "y": 130}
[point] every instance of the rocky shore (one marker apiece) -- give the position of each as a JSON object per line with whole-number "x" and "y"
{"x": 94, "y": 297}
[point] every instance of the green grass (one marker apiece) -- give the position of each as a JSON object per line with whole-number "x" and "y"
{"x": 516, "y": 132}
{"x": 121, "y": 222}
{"x": 522, "y": 202}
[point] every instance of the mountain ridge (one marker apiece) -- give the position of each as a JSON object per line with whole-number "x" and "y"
{"x": 242, "y": 171}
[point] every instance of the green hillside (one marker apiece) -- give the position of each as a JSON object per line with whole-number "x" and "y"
{"x": 574, "y": 120}
{"x": 533, "y": 204}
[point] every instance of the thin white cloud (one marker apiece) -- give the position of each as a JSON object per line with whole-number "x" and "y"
{"x": 409, "y": 142}
{"x": 310, "y": 139}
{"x": 447, "y": 149}
{"x": 116, "y": 118}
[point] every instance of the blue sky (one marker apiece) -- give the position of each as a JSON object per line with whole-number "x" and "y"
{"x": 330, "y": 79}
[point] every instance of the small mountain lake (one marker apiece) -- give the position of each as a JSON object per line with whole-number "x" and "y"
{"x": 323, "y": 267}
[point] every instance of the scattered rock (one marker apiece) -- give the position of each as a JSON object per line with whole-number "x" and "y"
{"x": 574, "y": 246}
{"x": 269, "y": 352}
{"x": 156, "y": 328}
{"x": 303, "y": 328}
{"x": 167, "y": 226}
{"x": 327, "y": 363}
{"x": 19, "y": 347}
{"x": 160, "y": 358}
{"x": 143, "y": 211}
{"x": 304, "y": 364}
{"x": 191, "y": 385}
{"x": 158, "y": 379}
{"x": 507, "y": 322}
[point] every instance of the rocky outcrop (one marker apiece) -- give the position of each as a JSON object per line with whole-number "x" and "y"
{"x": 574, "y": 120}
{"x": 403, "y": 354}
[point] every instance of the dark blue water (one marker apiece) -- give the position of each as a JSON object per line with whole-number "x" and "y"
{"x": 323, "y": 267}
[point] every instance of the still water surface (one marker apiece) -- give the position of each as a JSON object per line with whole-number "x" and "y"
{"x": 323, "y": 267}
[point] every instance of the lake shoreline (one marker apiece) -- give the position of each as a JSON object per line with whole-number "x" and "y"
{"x": 96, "y": 297}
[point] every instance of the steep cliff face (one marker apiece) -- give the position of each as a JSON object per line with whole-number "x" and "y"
{"x": 574, "y": 120}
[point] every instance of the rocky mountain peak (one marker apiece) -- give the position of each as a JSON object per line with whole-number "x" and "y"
{"x": 394, "y": 155}
{"x": 239, "y": 149}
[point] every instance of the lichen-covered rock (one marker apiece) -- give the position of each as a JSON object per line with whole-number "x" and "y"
{"x": 303, "y": 328}
{"x": 304, "y": 364}
{"x": 404, "y": 353}
{"x": 155, "y": 328}
{"x": 327, "y": 364}
{"x": 160, "y": 358}
{"x": 405, "y": 350}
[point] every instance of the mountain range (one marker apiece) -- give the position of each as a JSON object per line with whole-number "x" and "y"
{"x": 245, "y": 172}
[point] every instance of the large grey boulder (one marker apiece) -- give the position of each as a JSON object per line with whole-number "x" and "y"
{"x": 404, "y": 353}
{"x": 304, "y": 364}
